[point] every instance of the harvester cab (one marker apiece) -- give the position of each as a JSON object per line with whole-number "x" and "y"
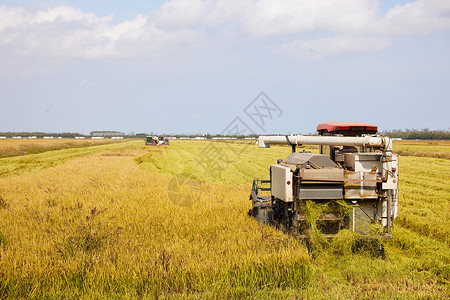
{"x": 352, "y": 183}
{"x": 151, "y": 140}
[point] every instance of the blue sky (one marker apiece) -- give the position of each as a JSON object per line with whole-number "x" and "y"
{"x": 190, "y": 66}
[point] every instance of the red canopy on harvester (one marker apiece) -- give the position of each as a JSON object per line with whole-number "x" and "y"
{"x": 340, "y": 126}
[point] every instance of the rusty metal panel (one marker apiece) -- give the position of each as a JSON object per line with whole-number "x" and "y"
{"x": 363, "y": 161}
{"x": 321, "y": 184}
{"x": 318, "y": 160}
{"x": 392, "y": 178}
{"x": 360, "y": 185}
{"x": 339, "y": 157}
{"x": 326, "y": 174}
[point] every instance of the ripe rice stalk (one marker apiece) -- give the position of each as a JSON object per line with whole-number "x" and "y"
{"x": 99, "y": 222}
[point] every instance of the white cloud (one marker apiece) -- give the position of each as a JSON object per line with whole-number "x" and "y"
{"x": 66, "y": 32}
{"x": 357, "y": 25}
{"x": 273, "y": 17}
{"x": 354, "y": 26}
{"x": 270, "y": 17}
{"x": 185, "y": 13}
{"x": 131, "y": 29}
{"x": 197, "y": 13}
{"x": 318, "y": 49}
{"x": 422, "y": 16}
{"x": 18, "y": 17}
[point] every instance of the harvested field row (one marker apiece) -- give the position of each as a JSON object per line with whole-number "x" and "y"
{"x": 16, "y": 147}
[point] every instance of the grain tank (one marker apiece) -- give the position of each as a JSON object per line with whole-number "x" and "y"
{"x": 352, "y": 183}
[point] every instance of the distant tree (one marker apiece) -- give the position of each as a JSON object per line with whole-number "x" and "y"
{"x": 416, "y": 134}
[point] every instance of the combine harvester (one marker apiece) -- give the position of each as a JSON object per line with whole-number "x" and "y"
{"x": 156, "y": 140}
{"x": 354, "y": 180}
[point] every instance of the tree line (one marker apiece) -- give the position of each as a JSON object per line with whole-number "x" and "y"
{"x": 407, "y": 134}
{"x": 418, "y": 134}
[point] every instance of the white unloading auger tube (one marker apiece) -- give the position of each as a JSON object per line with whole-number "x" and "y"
{"x": 378, "y": 142}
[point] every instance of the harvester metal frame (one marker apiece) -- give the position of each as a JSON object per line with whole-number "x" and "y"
{"x": 261, "y": 204}
{"x": 366, "y": 182}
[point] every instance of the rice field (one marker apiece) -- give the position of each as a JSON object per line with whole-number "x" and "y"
{"x": 15, "y": 147}
{"x": 431, "y": 148}
{"x": 128, "y": 221}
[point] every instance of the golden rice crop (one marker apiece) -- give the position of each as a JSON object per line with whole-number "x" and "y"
{"x": 432, "y": 148}
{"x": 129, "y": 221}
{"x": 35, "y": 162}
{"x": 14, "y": 147}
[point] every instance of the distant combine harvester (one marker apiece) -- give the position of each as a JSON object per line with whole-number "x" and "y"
{"x": 156, "y": 140}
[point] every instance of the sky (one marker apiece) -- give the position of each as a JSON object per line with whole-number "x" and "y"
{"x": 192, "y": 66}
